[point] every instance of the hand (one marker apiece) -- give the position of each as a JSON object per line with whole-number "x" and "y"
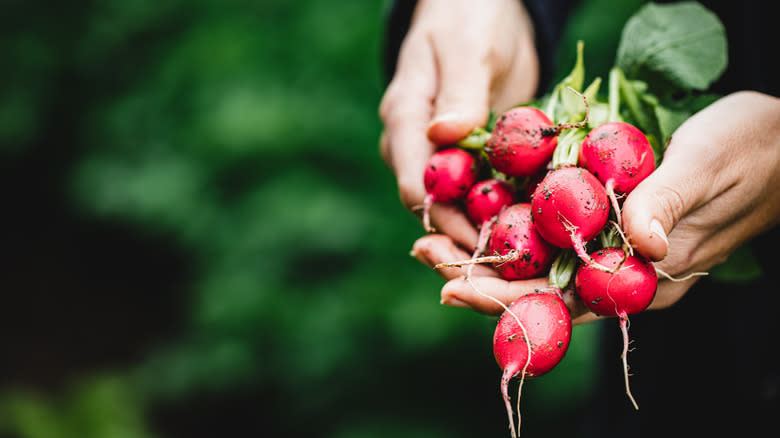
{"x": 713, "y": 192}
{"x": 458, "y": 60}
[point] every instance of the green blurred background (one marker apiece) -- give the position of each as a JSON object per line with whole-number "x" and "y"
{"x": 199, "y": 238}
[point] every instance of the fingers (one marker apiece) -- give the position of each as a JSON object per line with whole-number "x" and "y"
{"x": 476, "y": 295}
{"x": 486, "y": 290}
{"x": 462, "y": 102}
{"x": 438, "y": 248}
{"x": 657, "y": 204}
{"x": 405, "y": 110}
{"x": 450, "y": 220}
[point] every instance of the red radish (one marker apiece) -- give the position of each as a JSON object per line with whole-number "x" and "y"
{"x": 449, "y": 175}
{"x": 487, "y": 198}
{"x": 531, "y": 338}
{"x": 619, "y": 155}
{"x": 569, "y": 208}
{"x": 484, "y": 202}
{"x": 515, "y": 231}
{"x": 627, "y": 291}
{"x": 522, "y": 142}
{"x": 533, "y": 183}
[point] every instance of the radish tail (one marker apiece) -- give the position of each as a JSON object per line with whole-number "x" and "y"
{"x": 505, "y": 378}
{"x": 508, "y": 257}
{"x": 677, "y": 280}
{"x": 482, "y": 241}
{"x": 427, "y": 203}
{"x": 624, "y": 328}
{"x": 579, "y": 248}
{"x": 610, "y": 187}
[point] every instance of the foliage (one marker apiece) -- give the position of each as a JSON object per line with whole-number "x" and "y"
{"x": 239, "y": 139}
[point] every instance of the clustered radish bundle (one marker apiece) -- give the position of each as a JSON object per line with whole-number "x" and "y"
{"x": 545, "y": 182}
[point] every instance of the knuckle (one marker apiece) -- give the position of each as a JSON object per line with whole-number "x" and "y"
{"x": 387, "y": 103}
{"x": 672, "y": 203}
{"x": 409, "y": 193}
{"x": 384, "y": 148}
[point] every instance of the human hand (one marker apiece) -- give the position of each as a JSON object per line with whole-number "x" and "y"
{"x": 458, "y": 60}
{"x": 713, "y": 192}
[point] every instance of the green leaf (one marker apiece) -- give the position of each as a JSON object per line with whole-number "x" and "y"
{"x": 570, "y": 104}
{"x": 683, "y": 42}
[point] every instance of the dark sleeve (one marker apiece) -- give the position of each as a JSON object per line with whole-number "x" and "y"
{"x": 549, "y": 18}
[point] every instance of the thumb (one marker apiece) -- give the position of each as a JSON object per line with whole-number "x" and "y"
{"x": 657, "y": 204}
{"x": 462, "y": 101}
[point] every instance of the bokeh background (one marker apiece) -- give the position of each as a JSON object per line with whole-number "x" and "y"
{"x": 199, "y": 238}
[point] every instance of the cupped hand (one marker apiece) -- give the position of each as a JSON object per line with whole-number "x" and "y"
{"x": 714, "y": 191}
{"x": 458, "y": 61}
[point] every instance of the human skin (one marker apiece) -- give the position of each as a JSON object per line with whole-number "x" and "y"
{"x": 456, "y": 63}
{"x": 712, "y": 193}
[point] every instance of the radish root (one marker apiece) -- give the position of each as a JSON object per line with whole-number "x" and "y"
{"x": 610, "y": 188}
{"x": 677, "y": 280}
{"x": 500, "y": 259}
{"x": 624, "y": 329}
{"x": 579, "y": 248}
{"x": 507, "y": 375}
{"x": 553, "y": 131}
{"x": 482, "y": 242}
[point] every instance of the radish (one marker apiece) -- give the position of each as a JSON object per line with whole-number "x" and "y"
{"x": 514, "y": 230}
{"x": 569, "y": 208}
{"x": 448, "y": 176}
{"x": 487, "y": 198}
{"x": 627, "y": 291}
{"x": 531, "y": 338}
{"x": 522, "y": 142}
{"x": 620, "y": 156}
{"x": 533, "y": 183}
{"x": 484, "y": 201}
{"x": 524, "y": 139}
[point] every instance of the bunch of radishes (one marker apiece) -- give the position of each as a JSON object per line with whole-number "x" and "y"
{"x": 542, "y": 195}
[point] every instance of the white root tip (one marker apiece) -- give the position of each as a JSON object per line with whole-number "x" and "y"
{"x": 508, "y": 257}
{"x": 677, "y": 280}
{"x": 624, "y": 329}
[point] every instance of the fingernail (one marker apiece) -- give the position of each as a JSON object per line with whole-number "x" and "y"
{"x": 446, "y": 117}
{"x": 454, "y": 302}
{"x": 657, "y": 229}
{"x": 420, "y": 256}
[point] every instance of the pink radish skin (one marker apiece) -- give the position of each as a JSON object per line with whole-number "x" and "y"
{"x": 620, "y": 156}
{"x": 628, "y": 291}
{"x": 514, "y": 230}
{"x": 544, "y": 332}
{"x": 533, "y": 183}
{"x": 487, "y": 198}
{"x": 518, "y": 145}
{"x": 570, "y": 207}
{"x": 484, "y": 201}
{"x": 617, "y": 152}
{"x": 448, "y": 176}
